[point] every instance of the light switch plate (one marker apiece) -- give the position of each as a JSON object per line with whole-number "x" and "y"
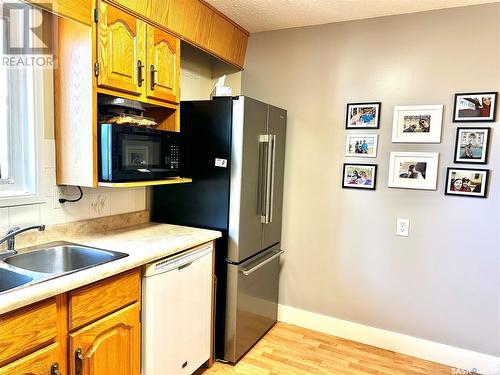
{"x": 403, "y": 227}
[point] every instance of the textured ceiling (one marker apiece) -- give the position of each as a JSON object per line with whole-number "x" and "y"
{"x": 264, "y": 15}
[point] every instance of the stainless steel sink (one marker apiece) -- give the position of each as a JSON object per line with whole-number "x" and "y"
{"x": 61, "y": 258}
{"x": 10, "y": 279}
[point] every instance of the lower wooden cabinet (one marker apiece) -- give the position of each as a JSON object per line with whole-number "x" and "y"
{"x": 109, "y": 346}
{"x": 63, "y": 335}
{"x": 47, "y": 361}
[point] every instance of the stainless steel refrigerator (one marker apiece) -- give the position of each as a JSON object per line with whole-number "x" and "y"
{"x": 234, "y": 150}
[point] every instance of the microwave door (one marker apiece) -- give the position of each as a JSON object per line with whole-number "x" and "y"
{"x": 135, "y": 154}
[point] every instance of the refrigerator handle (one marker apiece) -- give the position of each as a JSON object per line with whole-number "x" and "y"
{"x": 273, "y": 168}
{"x": 268, "y": 165}
{"x": 261, "y": 264}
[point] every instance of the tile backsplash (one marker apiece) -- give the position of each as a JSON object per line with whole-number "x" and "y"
{"x": 98, "y": 202}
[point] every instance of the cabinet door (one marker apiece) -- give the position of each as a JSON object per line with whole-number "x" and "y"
{"x": 109, "y": 346}
{"x": 121, "y": 54}
{"x": 42, "y": 362}
{"x": 163, "y": 65}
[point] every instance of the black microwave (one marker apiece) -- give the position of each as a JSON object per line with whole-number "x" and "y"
{"x": 132, "y": 153}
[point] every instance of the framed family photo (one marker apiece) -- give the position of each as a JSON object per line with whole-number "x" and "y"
{"x": 475, "y": 107}
{"x": 361, "y": 145}
{"x": 363, "y": 115}
{"x": 417, "y": 124}
{"x": 467, "y": 182}
{"x": 471, "y": 145}
{"x": 413, "y": 170}
{"x": 359, "y": 176}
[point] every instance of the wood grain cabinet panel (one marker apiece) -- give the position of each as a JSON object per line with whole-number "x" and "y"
{"x": 42, "y": 362}
{"x": 197, "y": 23}
{"x": 25, "y": 330}
{"x": 163, "y": 65}
{"x": 79, "y": 10}
{"x": 108, "y": 346}
{"x": 94, "y": 301}
{"x": 221, "y": 33}
{"x": 122, "y": 55}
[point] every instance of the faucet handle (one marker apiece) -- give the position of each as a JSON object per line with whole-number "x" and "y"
{"x": 12, "y": 230}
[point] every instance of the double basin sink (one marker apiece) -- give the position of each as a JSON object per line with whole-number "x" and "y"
{"x": 48, "y": 261}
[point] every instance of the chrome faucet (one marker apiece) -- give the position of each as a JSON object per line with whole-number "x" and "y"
{"x": 10, "y": 238}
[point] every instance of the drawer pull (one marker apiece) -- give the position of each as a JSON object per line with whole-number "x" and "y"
{"x": 78, "y": 361}
{"x": 247, "y": 272}
{"x": 54, "y": 369}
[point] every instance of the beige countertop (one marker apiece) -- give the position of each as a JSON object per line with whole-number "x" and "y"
{"x": 144, "y": 243}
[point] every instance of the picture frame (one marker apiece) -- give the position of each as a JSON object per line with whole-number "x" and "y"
{"x": 468, "y": 182}
{"x": 417, "y": 124}
{"x": 413, "y": 170}
{"x": 363, "y": 115}
{"x": 359, "y": 176}
{"x": 471, "y": 145}
{"x": 361, "y": 145}
{"x": 475, "y": 107}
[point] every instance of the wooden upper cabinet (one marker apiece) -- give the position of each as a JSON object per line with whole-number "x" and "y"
{"x": 78, "y": 10}
{"x": 163, "y": 65}
{"x": 109, "y": 346}
{"x": 197, "y": 23}
{"x": 121, "y": 51}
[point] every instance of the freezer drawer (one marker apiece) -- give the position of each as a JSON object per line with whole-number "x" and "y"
{"x": 252, "y": 301}
{"x": 176, "y": 312}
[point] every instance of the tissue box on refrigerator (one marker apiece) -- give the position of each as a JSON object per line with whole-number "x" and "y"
{"x": 221, "y": 91}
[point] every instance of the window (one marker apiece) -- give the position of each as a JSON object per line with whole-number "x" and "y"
{"x": 20, "y": 89}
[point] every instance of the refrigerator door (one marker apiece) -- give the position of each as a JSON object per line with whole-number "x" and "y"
{"x": 252, "y": 302}
{"x": 205, "y": 157}
{"x": 248, "y": 160}
{"x": 277, "y": 133}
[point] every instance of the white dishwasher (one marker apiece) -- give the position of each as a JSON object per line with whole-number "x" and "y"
{"x": 176, "y": 312}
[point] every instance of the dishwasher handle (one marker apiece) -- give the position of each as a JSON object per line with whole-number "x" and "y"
{"x": 180, "y": 268}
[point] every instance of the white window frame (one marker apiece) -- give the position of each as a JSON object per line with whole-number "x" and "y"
{"x": 31, "y": 170}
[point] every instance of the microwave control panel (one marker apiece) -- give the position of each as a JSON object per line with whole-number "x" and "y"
{"x": 172, "y": 161}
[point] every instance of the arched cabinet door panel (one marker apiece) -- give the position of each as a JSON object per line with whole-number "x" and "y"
{"x": 109, "y": 346}
{"x": 163, "y": 65}
{"x": 121, "y": 51}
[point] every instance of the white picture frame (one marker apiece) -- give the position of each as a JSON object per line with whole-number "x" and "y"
{"x": 423, "y": 166}
{"x": 361, "y": 145}
{"x": 417, "y": 123}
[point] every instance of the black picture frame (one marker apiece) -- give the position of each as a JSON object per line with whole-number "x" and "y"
{"x": 467, "y": 194}
{"x": 353, "y": 127}
{"x": 473, "y": 119}
{"x": 359, "y": 187}
{"x": 458, "y": 160}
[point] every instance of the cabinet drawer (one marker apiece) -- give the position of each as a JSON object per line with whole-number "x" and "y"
{"x": 25, "y": 330}
{"x": 38, "y": 363}
{"x": 94, "y": 301}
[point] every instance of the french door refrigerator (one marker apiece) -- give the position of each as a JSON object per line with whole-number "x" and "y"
{"x": 234, "y": 150}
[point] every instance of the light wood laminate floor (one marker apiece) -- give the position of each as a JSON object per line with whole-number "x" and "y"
{"x": 292, "y": 350}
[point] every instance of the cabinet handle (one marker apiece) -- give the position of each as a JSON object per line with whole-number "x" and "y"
{"x": 78, "y": 361}
{"x": 139, "y": 73}
{"x": 153, "y": 71}
{"x": 54, "y": 369}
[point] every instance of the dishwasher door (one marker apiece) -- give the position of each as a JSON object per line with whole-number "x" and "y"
{"x": 176, "y": 313}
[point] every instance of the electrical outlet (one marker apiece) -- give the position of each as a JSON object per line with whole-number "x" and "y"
{"x": 403, "y": 227}
{"x": 59, "y": 192}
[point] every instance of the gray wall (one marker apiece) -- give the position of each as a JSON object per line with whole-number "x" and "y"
{"x": 343, "y": 259}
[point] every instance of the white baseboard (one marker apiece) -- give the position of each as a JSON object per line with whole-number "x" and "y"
{"x": 428, "y": 350}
